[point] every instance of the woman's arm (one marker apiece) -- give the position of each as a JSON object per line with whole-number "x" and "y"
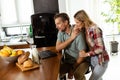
{"x": 98, "y": 46}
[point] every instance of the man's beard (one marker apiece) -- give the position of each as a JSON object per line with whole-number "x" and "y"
{"x": 63, "y": 30}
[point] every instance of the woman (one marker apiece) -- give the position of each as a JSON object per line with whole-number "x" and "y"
{"x": 97, "y": 53}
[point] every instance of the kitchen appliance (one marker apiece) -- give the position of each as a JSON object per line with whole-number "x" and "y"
{"x": 44, "y": 29}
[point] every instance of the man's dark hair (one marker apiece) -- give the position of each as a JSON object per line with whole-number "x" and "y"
{"x": 63, "y": 16}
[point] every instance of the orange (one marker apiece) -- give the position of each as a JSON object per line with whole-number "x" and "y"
{"x": 19, "y": 52}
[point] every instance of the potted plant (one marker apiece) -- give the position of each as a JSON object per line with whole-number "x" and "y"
{"x": 113, "y": 17}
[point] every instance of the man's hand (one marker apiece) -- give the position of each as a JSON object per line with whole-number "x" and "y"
{"x": 82, "y": 53}
{"x": 75, "y": 32}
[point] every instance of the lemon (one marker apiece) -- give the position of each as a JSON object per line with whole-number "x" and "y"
{"x": 4, "y": 53}
{"x": 8, "y": 49}
{"x": 14, "y": 53}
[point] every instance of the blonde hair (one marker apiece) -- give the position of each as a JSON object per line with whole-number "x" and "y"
{"x": 83, "y": 17}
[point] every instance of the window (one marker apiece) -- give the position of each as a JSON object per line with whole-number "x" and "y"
{"x": 16, "y": 12}
{"x": 18, "y": 30}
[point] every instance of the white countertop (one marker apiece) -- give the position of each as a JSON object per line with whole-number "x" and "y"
{"x": 16, "y": 41}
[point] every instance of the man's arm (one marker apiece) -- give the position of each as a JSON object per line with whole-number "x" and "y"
{"x": 62, "y": 45}
{"x": 79, "y": 61}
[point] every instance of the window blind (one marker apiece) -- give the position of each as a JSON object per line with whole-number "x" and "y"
{"x": 15, "y": 12}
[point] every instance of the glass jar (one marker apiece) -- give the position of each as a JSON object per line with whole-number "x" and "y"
{"x": 34, "y": 54}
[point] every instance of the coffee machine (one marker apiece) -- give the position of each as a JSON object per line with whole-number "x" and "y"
{"x": 44, "y": 29}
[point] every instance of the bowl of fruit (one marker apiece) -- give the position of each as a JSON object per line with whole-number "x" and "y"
{"x": 10, "y": 55}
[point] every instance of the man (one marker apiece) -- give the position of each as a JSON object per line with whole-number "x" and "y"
{"x": 70, "y": 41}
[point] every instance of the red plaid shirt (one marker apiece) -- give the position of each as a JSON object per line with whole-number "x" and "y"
{"x": 95, "y": 42}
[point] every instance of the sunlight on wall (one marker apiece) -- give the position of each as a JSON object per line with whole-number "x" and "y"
{"x": 93, "y": 8}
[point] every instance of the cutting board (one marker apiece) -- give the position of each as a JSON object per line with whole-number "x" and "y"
{"x": 26, "y": 69}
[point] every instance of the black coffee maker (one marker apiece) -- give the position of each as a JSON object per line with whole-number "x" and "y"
{"x": 44, "y": 29}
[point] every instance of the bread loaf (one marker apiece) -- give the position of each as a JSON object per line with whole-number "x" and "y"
{"x": 28, "y": 63}
{"x": 22, "y": 58}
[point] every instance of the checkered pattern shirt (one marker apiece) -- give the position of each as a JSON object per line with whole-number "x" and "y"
{"x": 96, "y": 45}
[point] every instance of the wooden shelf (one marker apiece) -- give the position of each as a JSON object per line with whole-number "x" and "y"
{"x": 17, "y": 46}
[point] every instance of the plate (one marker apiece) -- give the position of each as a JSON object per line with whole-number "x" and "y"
{"x": 29, "y": 68}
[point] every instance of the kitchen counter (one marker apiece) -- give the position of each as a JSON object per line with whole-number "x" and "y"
{"x": 48, "y": 69}
{"x": 16, "y": 43}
